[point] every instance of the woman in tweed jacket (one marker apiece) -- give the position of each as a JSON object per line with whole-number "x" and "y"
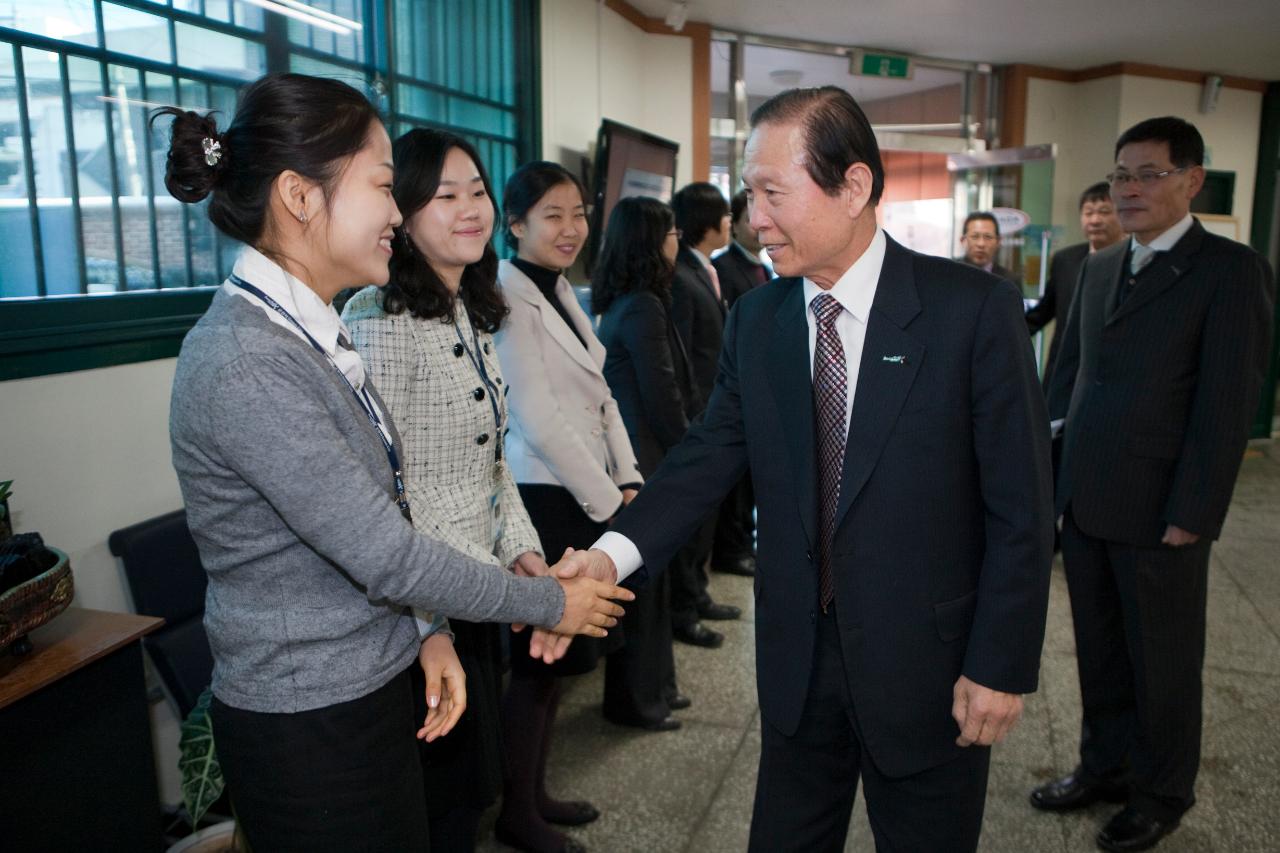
{"x": 427, "y": 341}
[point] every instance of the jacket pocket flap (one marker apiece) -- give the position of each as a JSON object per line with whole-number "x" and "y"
{"x": 954, "y": 617}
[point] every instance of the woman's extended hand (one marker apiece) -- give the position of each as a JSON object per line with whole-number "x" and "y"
{"x": 446, "y": 686}
{"x": 530, "y": 565}
{"x": 589, "y": 606}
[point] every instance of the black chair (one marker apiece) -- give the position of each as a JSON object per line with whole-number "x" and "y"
{"x": 167, "y": 580}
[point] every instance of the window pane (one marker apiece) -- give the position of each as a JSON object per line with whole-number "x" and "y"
{"x": 93, "y": 172}
{"x": 136, "y": 33}
{"x": 17, "y": 257}
{"x": 205, "y": 50}
{"x": 68, "y": 20}
{"x": 129, "y": 123}
{"x": 171, "y": 243}
{"x": 482, "y": 117}
{"x": 49, "y": 151}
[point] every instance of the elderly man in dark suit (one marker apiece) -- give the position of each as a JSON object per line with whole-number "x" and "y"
{"x": 1162, "y": 359}
{"x": 1101, "y": 229}
{"x": 888, "y": 405}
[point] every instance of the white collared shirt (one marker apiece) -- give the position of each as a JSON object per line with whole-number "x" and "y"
{"x": 706, "y": 262}
{"x": 855, "y": 291}
{"x": 319, "y": 318}
{"x": 1167, "y": 239}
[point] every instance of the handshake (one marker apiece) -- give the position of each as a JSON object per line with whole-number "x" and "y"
{"x": 589, "y": 580}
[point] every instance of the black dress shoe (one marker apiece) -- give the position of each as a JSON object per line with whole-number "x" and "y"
{"x": 679, "y": 702}
{"x": 743, "y": 566}
{"x": 666, "y": 724}
{"x": 1074, "y": 792}
{"x": 720, "y": 612}
{"x": 573, "y": 813}
{"x": 1130, "y": 829}
{"x": 505, "y": 836}
{"x": 698, "y": 634}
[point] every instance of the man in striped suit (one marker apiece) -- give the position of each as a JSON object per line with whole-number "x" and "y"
{"x": 1162, "y": 359}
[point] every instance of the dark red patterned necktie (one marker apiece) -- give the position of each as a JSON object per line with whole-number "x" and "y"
{"x": 830, "y": 383}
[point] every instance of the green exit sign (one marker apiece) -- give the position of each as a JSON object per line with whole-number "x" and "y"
{"x": 870, "y": 64}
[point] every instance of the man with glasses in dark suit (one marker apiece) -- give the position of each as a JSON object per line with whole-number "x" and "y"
{"x": 1162, "y": 359}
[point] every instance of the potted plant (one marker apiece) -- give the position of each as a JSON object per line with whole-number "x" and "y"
{"x": 202, "y": 785}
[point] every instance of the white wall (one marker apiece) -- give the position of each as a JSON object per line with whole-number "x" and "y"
{"x": 88, "y": 453}
{"x": 1082, "y": 119}
{"x": 1086, "y": 118}
{"x": 596, "y": 65}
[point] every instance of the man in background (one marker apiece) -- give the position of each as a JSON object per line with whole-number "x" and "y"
{"x": 1162, "y": 359}
{"x": 698, "y": 311}
{"x": 980, "y": 237}
{"x": 741, "y": 270}
{"x": 1101, "y": 228}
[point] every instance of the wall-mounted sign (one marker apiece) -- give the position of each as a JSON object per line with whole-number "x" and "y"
{"x": 1011, "y": 220}
{"x": 868, "y": 64}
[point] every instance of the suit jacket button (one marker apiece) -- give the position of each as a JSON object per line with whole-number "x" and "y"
{"x": 458, "y": 350}
{"x": 808, "y": 555}
{"x": 1098, "y": 383}
{"x": 478, "y": 393}
{"x": 482, "y": 438}
{"x": 812, "y": 616}
{"x": 486, "y": 349}
{"x": 586, "y": 507}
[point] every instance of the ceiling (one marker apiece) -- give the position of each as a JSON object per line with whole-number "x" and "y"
{"x": 1235, "y": 37}
{"x": 816, "y": 69}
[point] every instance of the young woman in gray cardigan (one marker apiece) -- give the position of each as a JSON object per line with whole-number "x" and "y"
{"x": 289, "y": 467}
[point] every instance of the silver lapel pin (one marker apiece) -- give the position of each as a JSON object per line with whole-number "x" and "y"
{"x": 894, "y": 359}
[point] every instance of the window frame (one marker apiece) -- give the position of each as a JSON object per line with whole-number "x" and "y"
{"x": 47, "y": 335}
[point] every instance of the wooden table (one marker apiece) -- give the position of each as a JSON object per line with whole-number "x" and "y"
{"x": 75, "y": 738}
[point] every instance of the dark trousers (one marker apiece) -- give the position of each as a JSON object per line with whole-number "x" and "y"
{"x": 807, "y": 782}
{"x": 735, "y": 527}
{"x": 1139, "y": 616}
{"x": 640, "y": 677}
{"x": 341, "y": 778}
{"x": 689, "y": 579}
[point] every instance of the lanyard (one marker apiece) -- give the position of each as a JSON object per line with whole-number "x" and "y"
{"x": 362, "y": 396}
{"x": 478, "y": 363}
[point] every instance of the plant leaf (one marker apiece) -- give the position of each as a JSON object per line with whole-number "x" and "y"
{"x": 202, "y": 781}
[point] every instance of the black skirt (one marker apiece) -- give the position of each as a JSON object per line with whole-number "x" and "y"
{"x": 341, "y": 778}
{"x": 463, "y": 769}
{"x": 561, "y": 524}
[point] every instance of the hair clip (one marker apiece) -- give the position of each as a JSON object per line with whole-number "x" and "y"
{"x": 212, "y": 150}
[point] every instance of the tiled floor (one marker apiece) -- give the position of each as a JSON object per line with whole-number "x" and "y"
{"x": 691, "y": 790}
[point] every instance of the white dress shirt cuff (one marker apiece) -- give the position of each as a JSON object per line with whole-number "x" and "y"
{"x": 624, "y": 553}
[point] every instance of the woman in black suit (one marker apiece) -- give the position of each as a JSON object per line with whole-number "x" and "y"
{"x": 650, "y": 377}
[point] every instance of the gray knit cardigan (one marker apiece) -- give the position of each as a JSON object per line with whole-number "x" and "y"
{"x": 290, "y": 499}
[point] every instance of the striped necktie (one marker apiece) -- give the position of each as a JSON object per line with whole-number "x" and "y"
{"x": 830, "y": 384}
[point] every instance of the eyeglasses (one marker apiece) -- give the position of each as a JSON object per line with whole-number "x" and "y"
{"x": 1145, "y": 177}
{"x": 675, "y": 232}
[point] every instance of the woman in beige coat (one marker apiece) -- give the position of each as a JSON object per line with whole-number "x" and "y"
{"x": 569, "y": 454}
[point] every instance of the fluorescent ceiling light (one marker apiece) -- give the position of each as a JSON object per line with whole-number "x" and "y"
{"x": 306, "y": 14}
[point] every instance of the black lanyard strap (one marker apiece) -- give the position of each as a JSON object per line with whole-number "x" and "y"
{"x": 362, "y": 396}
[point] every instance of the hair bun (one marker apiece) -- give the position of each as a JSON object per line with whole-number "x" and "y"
{"x": 197, "y": 154}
